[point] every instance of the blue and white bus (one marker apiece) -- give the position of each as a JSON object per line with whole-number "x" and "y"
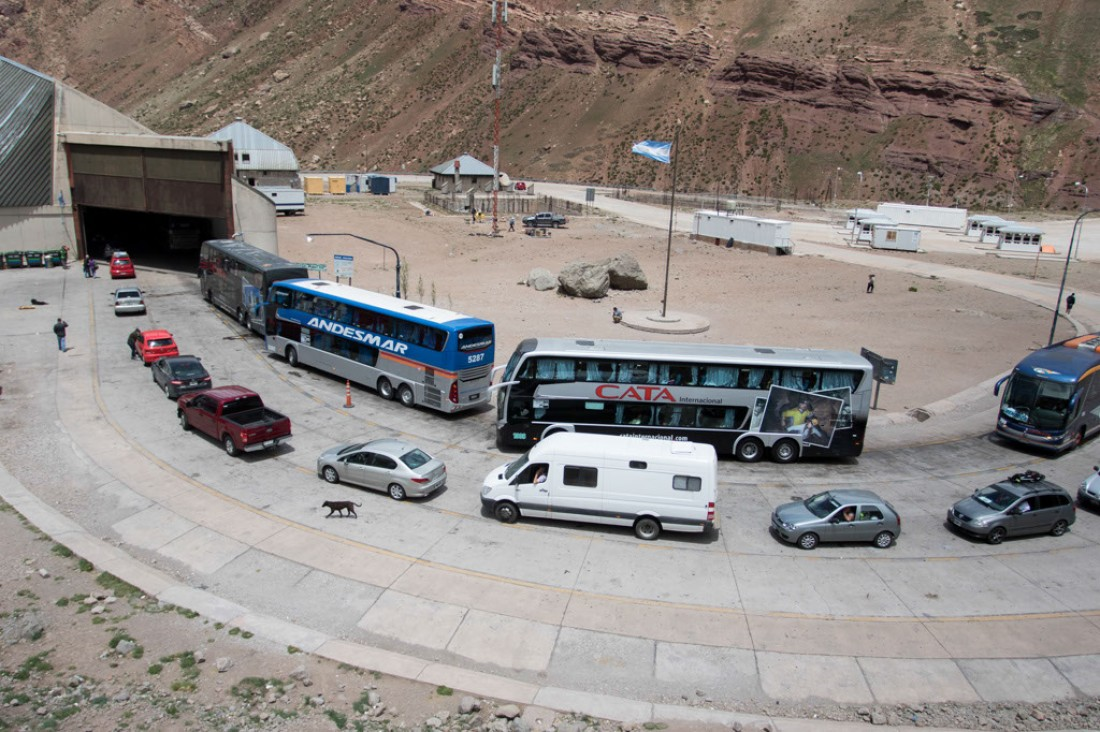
{"x": 417, "y": 353}
{"x": 1052, "y": 398}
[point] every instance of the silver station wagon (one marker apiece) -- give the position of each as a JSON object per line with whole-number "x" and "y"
{"x": 395, "y": 466}
{"x": 847, "y": 515}
{"x": 1026, "y": 503}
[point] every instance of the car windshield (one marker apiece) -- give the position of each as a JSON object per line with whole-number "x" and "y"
{"x": 821, "y": 505}
{"x": 415, "y": 458}
{"x": 1037, "y": 402}
{"x": 350, "y": 449}
{"x": 188, "y": 370}
{"x": 516, "y": 465}
{"x": 995, "y": 497}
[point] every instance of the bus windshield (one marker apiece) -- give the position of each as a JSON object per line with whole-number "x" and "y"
{"x": 1037, "y": 403}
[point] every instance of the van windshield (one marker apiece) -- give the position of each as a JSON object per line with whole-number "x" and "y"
{"x": 517, "y": 465}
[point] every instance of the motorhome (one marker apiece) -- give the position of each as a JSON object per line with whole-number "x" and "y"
{"x": 648, "y": 484}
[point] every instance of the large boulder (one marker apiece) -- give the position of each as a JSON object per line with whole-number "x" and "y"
{"x": 542, "y": 279}
{"x": 625, "y": 273}
{"x": 581, "y": 279}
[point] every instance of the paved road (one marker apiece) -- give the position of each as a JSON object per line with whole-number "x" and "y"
{"x": 569, "y": 617}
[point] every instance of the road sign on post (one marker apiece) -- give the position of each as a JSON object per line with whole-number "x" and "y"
{"x": 343, "y": 265}
{"x": 884, "y": 370}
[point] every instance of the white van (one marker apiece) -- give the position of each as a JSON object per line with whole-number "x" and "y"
{"x": 604, "y": 479}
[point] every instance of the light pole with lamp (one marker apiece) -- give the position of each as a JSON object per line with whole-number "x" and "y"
{"x": 1081, "y": 184}
{"x": 836, "y": 185}
{"x": 1075, "y": 235}
{"x": 397, "y": 288}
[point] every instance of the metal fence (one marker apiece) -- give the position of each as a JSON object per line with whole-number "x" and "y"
{"x": 508, "y": 203}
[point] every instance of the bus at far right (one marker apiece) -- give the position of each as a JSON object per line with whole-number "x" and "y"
{"x": 1052, "y": 398}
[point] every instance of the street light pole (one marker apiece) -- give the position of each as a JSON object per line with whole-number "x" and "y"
{"x": 1074, "y": 235}
{"x": 397, "y": 288}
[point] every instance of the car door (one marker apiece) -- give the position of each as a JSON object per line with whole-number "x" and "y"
{"x": 202, "y": 416}
{"x": 839, "y": 528}
{"x": 158, "y": 374}
{"x": 1027, "y": 516}
{"x": 869, "y": 522}
{"x": 381, "y": 471}
{"x": 533, "y": 497}
{"x": 353, "y": 468}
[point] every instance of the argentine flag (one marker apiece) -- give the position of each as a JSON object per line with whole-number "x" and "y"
{"x": 659, "y": 151}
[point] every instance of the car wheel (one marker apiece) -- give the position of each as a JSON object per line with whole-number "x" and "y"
{"x": 405, "y": 396}
{"x": 1060, "y": 527}
{"x": 997, "y": 535}
{"x": 230, "y": 448}
{"x": 385, "y": 389}
{"x": 884, "y": 540}
{"x": 330, "y": 475}
{"x": 292, "y": 356}
{"x": 785, "y": 451}
{"x": 396, "y": 492}
{"x": 506, "y": 512}
{"x": 183, "y": 422}
{"x": 807, "y": 541}
{"x": 749, "y": 450}
{"x": 647, "y": 528}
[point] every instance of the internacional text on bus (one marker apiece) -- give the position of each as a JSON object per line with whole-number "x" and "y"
{"x": 744, "y": 400}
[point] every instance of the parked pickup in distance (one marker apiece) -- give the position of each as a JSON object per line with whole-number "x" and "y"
{"x": 234, "y": 416}
{"x": 545, "y": 219}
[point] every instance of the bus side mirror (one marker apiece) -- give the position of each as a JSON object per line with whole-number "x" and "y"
{"x": 997, "y": 386}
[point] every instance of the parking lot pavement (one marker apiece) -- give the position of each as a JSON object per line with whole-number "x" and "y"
{"x": 542, "y": 613}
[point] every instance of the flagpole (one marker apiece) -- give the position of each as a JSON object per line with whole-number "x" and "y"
{"x": 671, "y": 217}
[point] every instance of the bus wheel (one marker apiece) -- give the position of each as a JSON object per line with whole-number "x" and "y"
{"x": 210, "y": 296}
{"x": 241, "y": 316}
{"x": 785, "y": 451}
{"x": 749, "y": 449}
{"x": 647, "y": 528}
{"x": 247, "y": 321}
{"x": 385, "y": 388}
{"x": 292, "y": 356}
{"x": 506, "y": 512}
{"x": 405, "y": 395}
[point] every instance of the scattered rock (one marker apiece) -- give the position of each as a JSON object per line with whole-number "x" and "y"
{"x": 433, "y": 722}
{"x": 280, "y": 75}
{"x": 230, "y": 52}
{"x": 468, "y": 705}
{"x": 125, "y": 646}
{"x": 200, "y": 656}
{"x": 223, "y": 664}
{"x": 122, "y": 696}
{"x": 373, "y": 698}
{"x": 317, "y": 701}
{"x": 878, "y": 718}
{"x": 186, "y": 104}
{"x": 23, "y": 627}
{"x": 97, "y": 610}
{"x": 541, "y": 279}
{"x": 43, "y": 572}
{"x": 581, "y": 279}
{"x": 298, "y": 673}
{"x": 508, "y": 711}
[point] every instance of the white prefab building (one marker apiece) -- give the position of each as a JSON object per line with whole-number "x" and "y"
{"x": 938, "y": 217}
{"x": 991, "y": 231}
{"x": 747, "y": 232}
{"x": 1018, "y": 238}
{"x": 900, "y": 238}
{"x": 974, "y": 224}
{"x": 855, "y": 214}
{"x": 866, "y": 226}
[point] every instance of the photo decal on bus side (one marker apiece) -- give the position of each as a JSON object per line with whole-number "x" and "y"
{"x": 814, "y": 417}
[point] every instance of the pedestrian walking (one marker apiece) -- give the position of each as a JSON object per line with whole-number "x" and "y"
{"x": 59, "y": 331}
{"x": 93, "y": 266}
{"x": 511, "y": 223}
{"x": 1071, "y": 301}
{"x": 870, "y": 284}
{"x": 87, "y": 267}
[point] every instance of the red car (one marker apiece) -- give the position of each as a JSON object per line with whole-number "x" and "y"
{"x": 154, "y": 345}
{"x": 121, "y": 266}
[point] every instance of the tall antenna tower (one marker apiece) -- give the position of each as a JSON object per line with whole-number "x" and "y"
{"x": 500, "y": 17}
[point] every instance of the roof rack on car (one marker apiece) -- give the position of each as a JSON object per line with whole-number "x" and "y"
{"x": 1028, "y": 476}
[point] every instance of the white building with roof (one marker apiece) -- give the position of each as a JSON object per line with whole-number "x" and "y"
{"x": 472, "y": 174}
{"x": 259, "y": 160}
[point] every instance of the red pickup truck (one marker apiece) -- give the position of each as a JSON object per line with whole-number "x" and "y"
{"x": 235, "y": 416}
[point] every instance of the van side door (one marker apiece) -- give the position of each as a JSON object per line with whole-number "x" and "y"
{"x": 577, "y": 495}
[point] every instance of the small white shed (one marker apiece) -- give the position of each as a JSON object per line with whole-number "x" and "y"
{"x": 1019, "y": 238}
{"x": 899, "y": 238}
{"x": 749, "y": 232}
{"x": 974, "y": 223}
{"x": 855, "y": 214}
{"x": 866, "y": 226}
{"x": 991, "y": 231}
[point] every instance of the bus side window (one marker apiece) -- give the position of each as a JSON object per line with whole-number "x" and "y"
{"x": 282, "y": 298}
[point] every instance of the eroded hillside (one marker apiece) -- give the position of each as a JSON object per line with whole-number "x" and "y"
{"x": 988, "y": 103}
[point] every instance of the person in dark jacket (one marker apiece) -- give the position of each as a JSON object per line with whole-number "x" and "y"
{"x": 131, "y": 341}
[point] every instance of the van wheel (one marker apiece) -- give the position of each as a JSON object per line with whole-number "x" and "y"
{"x": 506, "y": 512}
{"x": 785, "y": 451}
{"x": 884, "y": 540}
{"x": 385, "y": 389}
{"x": 292, "y": 356}
{"x": 749, "y": 450}
{"x": 405, "y": 396}
{"x": 807, "y": 541}
{"x": 997, "y": 535}
{"x": 1060, "y": 527}
{"x": 647, "y": 528}
{"x": 230, "y": 448}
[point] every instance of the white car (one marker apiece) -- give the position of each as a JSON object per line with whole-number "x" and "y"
{"x": 128, "y": 301}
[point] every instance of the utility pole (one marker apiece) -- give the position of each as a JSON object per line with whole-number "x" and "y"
{"x": 500, "y": 17}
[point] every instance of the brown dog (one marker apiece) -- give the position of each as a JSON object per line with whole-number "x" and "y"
{"x": 341, "y": 506}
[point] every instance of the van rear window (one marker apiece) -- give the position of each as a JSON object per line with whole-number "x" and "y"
{"x": 687, "y": 483}
{"x": 579, "y": 476}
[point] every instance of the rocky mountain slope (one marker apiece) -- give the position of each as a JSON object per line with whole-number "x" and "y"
{"x": 984, "y": 103}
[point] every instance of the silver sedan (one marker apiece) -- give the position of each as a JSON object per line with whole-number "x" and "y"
{"x": 128, "y": 301}
{"x": 837, "y": 515}
{"x": 395, "y": 466}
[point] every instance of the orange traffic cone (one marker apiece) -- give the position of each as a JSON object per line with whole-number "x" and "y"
{"x": 347, "y": 396}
